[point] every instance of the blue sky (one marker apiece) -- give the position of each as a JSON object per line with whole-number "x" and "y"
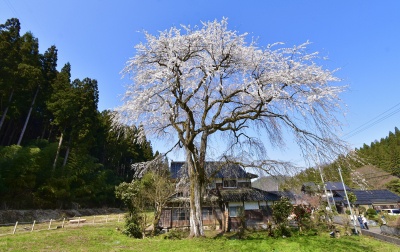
{"x": 362, "y": 38}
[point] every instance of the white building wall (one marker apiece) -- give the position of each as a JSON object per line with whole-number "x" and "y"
{"x": 251, "y": 205}
{"x": 233, "y": 204}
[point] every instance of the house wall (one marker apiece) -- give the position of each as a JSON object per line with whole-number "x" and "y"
{"x": 251, "y": 205}
{"x": 178, "y": 217}
{"x": 241, "y": 182}
{"x": 255, "y": 218}
{"x": 219, "y": 180}
{"x": 387, "y": 205}
{"x": 233, "y": 204}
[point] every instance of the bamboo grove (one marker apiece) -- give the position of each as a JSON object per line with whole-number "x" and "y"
{"x": 56, "y": 148}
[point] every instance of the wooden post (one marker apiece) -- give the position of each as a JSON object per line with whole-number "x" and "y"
{"x": 63, "y": 223}
{"x": 33, "y": 225}
{"x": 15, "y": 227}
{"x": 50, "y": 224}
{"x": 79, "y": 220}
{"x": 94, "y": 217}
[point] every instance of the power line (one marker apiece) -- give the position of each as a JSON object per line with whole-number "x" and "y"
{"x": 11, "y": 8}
{"x": 379, "y": 118}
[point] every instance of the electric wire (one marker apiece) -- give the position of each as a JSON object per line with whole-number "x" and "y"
{"x": 11, "y": 7}
{"x": 379, "y": 118}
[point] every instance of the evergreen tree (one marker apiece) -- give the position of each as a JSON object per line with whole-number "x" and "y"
{"x": 57, "y": 124}
{"x": 9, "y": 60}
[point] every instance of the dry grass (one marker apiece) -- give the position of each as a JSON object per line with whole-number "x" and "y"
{"x": 371, "y": 177}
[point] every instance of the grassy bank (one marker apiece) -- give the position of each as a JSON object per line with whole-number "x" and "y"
{"x": 107, "y": 237}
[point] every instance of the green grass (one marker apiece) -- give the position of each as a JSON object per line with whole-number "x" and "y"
{"x": 107, "y": 237}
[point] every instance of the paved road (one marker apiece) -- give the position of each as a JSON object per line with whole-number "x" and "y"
{"x": 374, "y": 231}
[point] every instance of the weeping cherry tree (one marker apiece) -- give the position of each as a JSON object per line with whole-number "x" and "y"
{"x": 195, "y": 87}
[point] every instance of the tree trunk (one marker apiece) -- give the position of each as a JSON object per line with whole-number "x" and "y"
{"x": 27, "y": 117}
{"x": 58, "y": 151}
{"x": 6, "y": 109}
{"x": 11, "y": 138}
{"x": 196, "y": 191}
{"x": 51, "y": 129}
{"x": 68, "y": 150}
{"x": 156, "y": 220}
{"x": 6, "y": 135}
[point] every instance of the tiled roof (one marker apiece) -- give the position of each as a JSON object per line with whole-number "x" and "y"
{"x": 215, "y": 170}
{"x": 375, "y": 196}
{"x": 335, "y": 186}
{"x": 368, "y": 197}
{"x": 251, "y": 194}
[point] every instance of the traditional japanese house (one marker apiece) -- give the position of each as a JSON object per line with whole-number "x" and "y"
{"x": 229, "y": 196}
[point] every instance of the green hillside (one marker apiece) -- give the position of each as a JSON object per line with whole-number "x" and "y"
{"x": 374, "y": 166}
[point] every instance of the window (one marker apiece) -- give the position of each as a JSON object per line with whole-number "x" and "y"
{"x": 230, "y": 183}
{"x": 180, "y": 214}
{"x": 207, "y": 213}
{"x": 235, "y": 211}
{"x": 182, "y": 194}
{"x": 244, "y": 184}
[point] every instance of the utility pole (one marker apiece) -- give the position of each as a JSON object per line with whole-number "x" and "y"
{"x": 333, "y": 200}
{"x": 323, "y": 183}
{"x": 348, "y": 202}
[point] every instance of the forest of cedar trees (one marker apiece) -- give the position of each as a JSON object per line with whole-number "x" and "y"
{"x": 56, "y": 149}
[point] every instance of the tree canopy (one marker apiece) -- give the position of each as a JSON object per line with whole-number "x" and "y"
{"x": 191, "y": 86}
{"x": 56, "y": 148}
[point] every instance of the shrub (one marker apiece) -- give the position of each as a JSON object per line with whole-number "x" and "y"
{"x": 302, "y": 216}
{"x": 176, "y": 234}
{"x": 371, "y": 213}
{"x": 132, "y": 226}
{"x": 282, "y": 231}
{"x": 281, "y": 210}
{"x": 362, "y": 209}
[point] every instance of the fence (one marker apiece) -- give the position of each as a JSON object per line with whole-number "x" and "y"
{"x": 24, "y": 227}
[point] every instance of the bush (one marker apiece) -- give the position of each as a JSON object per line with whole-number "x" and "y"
{"x": 302, "y": 216}
{"x": 362, "y": 210}
{"x": 282, "y": 230}
{"x": 176, "y": 234}
{"x": 132, "y": 226}
{"x": 281, "y": 210}
{"x": 371, "y": 213}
